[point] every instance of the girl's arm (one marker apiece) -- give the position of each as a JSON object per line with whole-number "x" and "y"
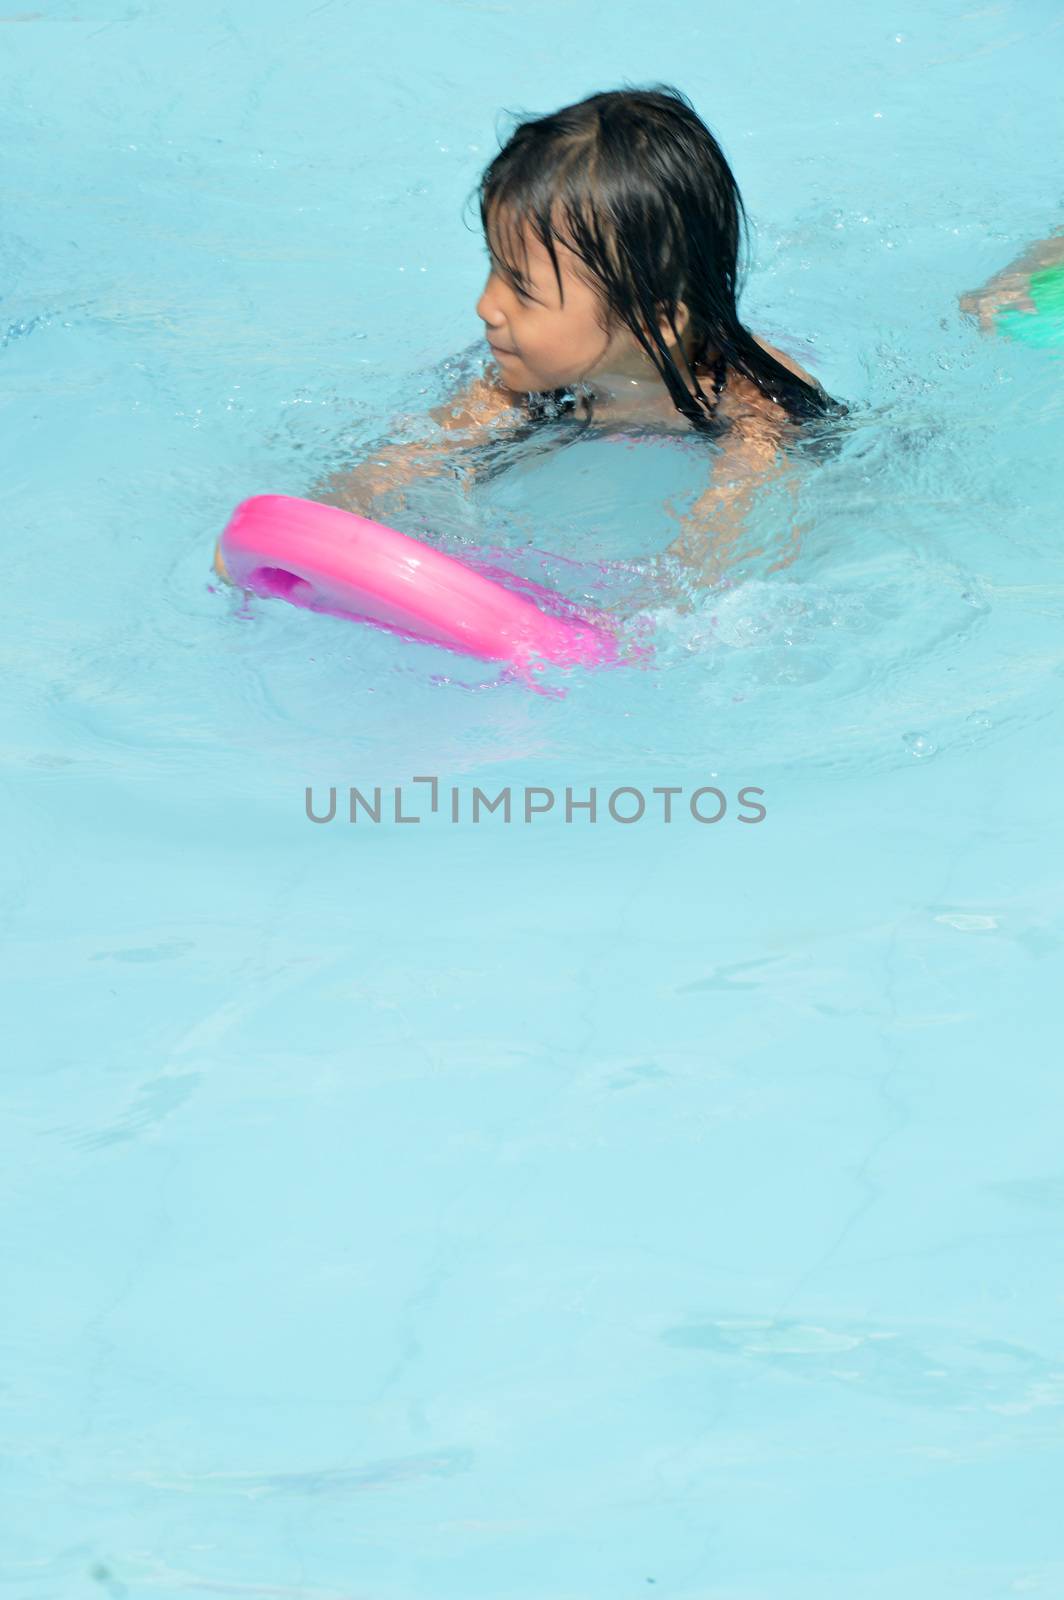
{"x": 1009, "y": 287}
{"x": 464, "y": 417}
{"x": 712, "y": 529}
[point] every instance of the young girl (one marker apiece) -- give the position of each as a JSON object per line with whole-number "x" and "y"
{"x": 613, "y": 230}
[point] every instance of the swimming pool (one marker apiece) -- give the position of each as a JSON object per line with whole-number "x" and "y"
{"x": 553, "y": 1210}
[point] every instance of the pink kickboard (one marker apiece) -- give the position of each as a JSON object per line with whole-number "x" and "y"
{"x": 325, "y": 559}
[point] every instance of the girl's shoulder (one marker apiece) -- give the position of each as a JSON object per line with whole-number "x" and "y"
{"x": 744, "y": 405}
{"x": 743, "y": 390}
{"x": 480, "y": 403}
{"x": 786, "y": 361}
{"x": 483, "y": 401}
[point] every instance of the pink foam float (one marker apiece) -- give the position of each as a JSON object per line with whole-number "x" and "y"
{"x": 329, "y": 560}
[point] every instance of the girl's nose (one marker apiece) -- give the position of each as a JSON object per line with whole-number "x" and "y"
{"x": 486, "y": 307}
{"x": 489, "y": 307}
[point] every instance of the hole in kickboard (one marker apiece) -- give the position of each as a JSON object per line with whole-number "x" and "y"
{"x": 276, "y": 583}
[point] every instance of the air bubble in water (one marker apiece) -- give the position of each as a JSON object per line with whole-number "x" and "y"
{"x": 919, "y": 744}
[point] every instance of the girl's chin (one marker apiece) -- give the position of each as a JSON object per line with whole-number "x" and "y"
{"x": 522, "y": 379}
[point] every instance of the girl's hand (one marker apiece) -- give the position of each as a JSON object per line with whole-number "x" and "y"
{"x": 1009, "y": 290}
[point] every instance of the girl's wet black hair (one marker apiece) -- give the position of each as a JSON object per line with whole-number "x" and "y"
{"x": 648, "y": 201}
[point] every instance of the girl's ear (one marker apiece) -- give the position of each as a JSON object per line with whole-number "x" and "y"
{"x": 683, "y": 318}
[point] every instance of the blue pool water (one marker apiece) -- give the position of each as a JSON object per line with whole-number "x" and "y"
{"x": 547, "y": 1211}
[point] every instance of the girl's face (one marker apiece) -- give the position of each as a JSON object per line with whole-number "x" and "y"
{"x": 545, "y": 340}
